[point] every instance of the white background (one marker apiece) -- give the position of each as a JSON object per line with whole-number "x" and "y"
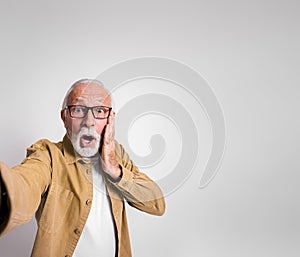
{"x": 249, "y": 53}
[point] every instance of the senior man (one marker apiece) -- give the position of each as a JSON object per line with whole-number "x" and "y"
{"x": 77, "y": 188}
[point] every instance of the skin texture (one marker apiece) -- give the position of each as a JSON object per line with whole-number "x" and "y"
{"x": 93, "y": 94}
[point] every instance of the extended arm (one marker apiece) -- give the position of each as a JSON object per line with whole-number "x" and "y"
{"x": 22, "y": 187}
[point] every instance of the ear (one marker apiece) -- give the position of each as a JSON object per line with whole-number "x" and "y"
{"x": 63, "y": 116}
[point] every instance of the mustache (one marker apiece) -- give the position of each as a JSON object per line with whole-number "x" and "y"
{"x": 89, "y": 131}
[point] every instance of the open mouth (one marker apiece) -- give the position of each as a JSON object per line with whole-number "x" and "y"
{"x": 87, "y": 140}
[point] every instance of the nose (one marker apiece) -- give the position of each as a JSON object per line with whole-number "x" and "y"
{"x": 89, "y": 119}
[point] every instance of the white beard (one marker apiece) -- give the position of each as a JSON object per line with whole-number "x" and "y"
{"x": 86, "y": 151}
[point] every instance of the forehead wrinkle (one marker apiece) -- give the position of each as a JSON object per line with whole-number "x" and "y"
{"x": 81, "y": 95}
{"x": 91, "y": 101}
{"x": 83, "y": 101}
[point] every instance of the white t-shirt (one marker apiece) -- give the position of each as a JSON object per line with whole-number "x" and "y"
{"x": 98, "y": 235}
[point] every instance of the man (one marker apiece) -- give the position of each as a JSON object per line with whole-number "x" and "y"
{"x": 77, "y": 188}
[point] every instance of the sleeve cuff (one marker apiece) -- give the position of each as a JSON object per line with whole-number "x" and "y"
{"x": 125, "y": 178}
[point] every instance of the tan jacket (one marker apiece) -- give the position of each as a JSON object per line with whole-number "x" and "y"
{"x": 56, "y": 185}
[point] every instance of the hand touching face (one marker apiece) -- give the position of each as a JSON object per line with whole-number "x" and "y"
{"x": 110, "y": 164}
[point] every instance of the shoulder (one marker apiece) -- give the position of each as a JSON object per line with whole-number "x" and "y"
{"x": 120, "y": 150}
{"x": 43, "y": 145}
{"x": 118, "y": 146}
{"x": 122, "y": 155}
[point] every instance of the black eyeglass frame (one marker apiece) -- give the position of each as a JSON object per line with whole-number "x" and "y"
{"x": 87, "y": 110}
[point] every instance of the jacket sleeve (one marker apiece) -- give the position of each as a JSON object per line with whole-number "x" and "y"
{"x": 3, "y": 206}
{"x": 24, "y": 184}
{"x": 136, "y": 187}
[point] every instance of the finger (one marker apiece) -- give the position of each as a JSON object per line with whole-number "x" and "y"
{"x": 109, "y": 130}
{"x": 112, "y": 124}
{"x": 111, "y": 118}
{"x": 109, "y": 133}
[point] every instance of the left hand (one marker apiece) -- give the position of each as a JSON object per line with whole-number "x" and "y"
{"x": 110, "y": 164}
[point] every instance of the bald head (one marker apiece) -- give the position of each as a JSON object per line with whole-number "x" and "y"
{"x": 83, "y": 87}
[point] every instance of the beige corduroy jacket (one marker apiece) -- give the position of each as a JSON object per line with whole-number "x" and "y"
{"x": 56, "y": 185}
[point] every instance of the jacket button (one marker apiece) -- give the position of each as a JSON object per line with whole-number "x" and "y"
{"x": 67, "y": 256}
{"x": 77, "y": 231}
{"x": 88, "y": 202}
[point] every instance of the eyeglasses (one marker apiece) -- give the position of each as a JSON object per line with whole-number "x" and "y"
{"x": 80, "y": 111}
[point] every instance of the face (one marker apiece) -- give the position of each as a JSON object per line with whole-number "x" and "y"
{"x": 85, "y": 133}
